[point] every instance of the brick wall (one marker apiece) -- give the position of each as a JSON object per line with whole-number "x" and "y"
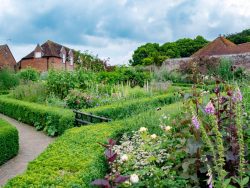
{"x": 43, "y": 64}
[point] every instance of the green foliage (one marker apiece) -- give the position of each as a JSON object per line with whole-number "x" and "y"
{"x": 153, "y": 53}
{"x": 132, "y": 76}
{"x": 124, "y": 109}
{"x": 31, "y": 92}
{"x": 9, "y": 143}
{"x": 8, "y": 79}
{"x": 54, "y": 121}
{"x": 61, "y": 82}
{"x": 28, "y": 74}
{"x": 76, "y": 99}
{"x": 87, "y": 61}
{"x": 225, "y": 70}
{"x": 75, "y": 159}
{"x": 241, "y": 37}
{"x": 153, "y": 158}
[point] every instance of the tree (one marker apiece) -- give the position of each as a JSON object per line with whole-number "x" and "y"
{"x": 239, "y": 38}
{"x": 145, "y": 51}
{"x": 91, "y": 62}
{"x": 153, "y": 53}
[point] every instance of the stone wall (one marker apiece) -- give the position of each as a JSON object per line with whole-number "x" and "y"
{"x": 239, "y": 60}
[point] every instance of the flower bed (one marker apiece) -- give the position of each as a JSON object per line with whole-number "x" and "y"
{"x": 9, "y": 145}
{"x": 75, "y": 159}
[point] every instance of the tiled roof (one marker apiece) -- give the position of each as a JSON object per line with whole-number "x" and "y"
{"x": 6, "y": 57}
{"x": 244, "y": 48}
{"x": 222, "y": 46}
{"x": 49, "y": 49}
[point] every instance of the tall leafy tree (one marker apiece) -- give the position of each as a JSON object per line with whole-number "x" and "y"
{"x": 240, "y": 37}
{"x": 153, "y": 53}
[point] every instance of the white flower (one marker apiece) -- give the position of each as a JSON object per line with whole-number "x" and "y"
{"x": 124, "y": 158}
{"x": 153, "y": 136}
{"x": 134, "y": 178}
{"x": 167, "y": 128}
{"x": 143, "y": 129}
{"x": 127, "y": 182}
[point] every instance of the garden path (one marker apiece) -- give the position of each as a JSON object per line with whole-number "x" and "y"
{"x": 31, "y": 142}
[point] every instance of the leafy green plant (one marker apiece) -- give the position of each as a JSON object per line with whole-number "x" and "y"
{"x": 9, "y": 141}
{"x": 77, "y": 99}
{"x": 54, "y": 121}
{"x": 28, "y": 74}
{"x": 31, "y": 92}
{"x": 61, "y": 82}
{"x": 75, "y": 159}
{"x": 8, "y": 79}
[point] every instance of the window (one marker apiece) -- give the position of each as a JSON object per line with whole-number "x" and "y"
{"x": 71, "y": 60}
{"x": 38, "y": 54}
{"x": 63, "y": 58}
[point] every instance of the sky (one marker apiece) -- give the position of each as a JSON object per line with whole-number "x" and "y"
{"x": 115, "y": 28}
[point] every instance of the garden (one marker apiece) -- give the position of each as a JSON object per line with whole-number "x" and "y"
{"x": 181, "y": 128}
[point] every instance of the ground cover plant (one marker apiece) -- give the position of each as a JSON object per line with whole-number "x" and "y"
{"x": 9, "y": 142}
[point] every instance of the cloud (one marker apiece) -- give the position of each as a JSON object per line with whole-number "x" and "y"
{"x": 114, "y": 28}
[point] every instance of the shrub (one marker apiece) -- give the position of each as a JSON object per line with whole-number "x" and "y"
{"x": 123, "y": 109}
{"x": 76, "y": 99}
{"x": 150, "y": 158}
{"x": 54, "y": 121}
{"x": 55, "y": 101}
{"x": 8, "y": 79}
{"x": 28, "y": 74}
{"x": 225, "y": 70}
{"x": 61, "y": 82}
{"x": 75, "y": 159}
{"x": 8, "y": 141}
{"x": 31, "y": 92}
{"x": 135, "y": 77}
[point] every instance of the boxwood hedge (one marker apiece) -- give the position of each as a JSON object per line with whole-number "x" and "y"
{"x": 54, "y": 121}
{"x": 126, "y": 109}
{"x": 9, "y": 144}
{"x": 75, "y": 158}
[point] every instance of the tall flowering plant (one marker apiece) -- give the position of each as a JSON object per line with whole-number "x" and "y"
{"x": 221, "y": 129}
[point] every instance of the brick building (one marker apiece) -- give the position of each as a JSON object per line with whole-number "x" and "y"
{"x": 6, "y": 58}
{"x": 49, "y": 55}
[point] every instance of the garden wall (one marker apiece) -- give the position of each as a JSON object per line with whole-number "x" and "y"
{"x": 239, "y": 60}
{"x": 9, "y": 142}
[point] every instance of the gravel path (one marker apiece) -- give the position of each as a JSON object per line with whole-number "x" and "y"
{"x": 31, "y": 142}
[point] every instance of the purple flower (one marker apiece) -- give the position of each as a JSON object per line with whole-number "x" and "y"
{"x": 195, "y": 122}
{"x": 209, "y": 109}
{"x": 210, "y": 185}
{"x": 237, "y": 97}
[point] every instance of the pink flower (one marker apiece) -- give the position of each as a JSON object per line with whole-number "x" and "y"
{"x": 195, "y": 122}
{"x": 209, "y": 109}
{"x": 237, "y": 97}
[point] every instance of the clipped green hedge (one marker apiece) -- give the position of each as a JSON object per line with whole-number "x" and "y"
{"x": 9, "y": 144}
{"x": 75, "y": 158}
{"x": 54, "y": 121}
{"x": 125, "y": 109}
